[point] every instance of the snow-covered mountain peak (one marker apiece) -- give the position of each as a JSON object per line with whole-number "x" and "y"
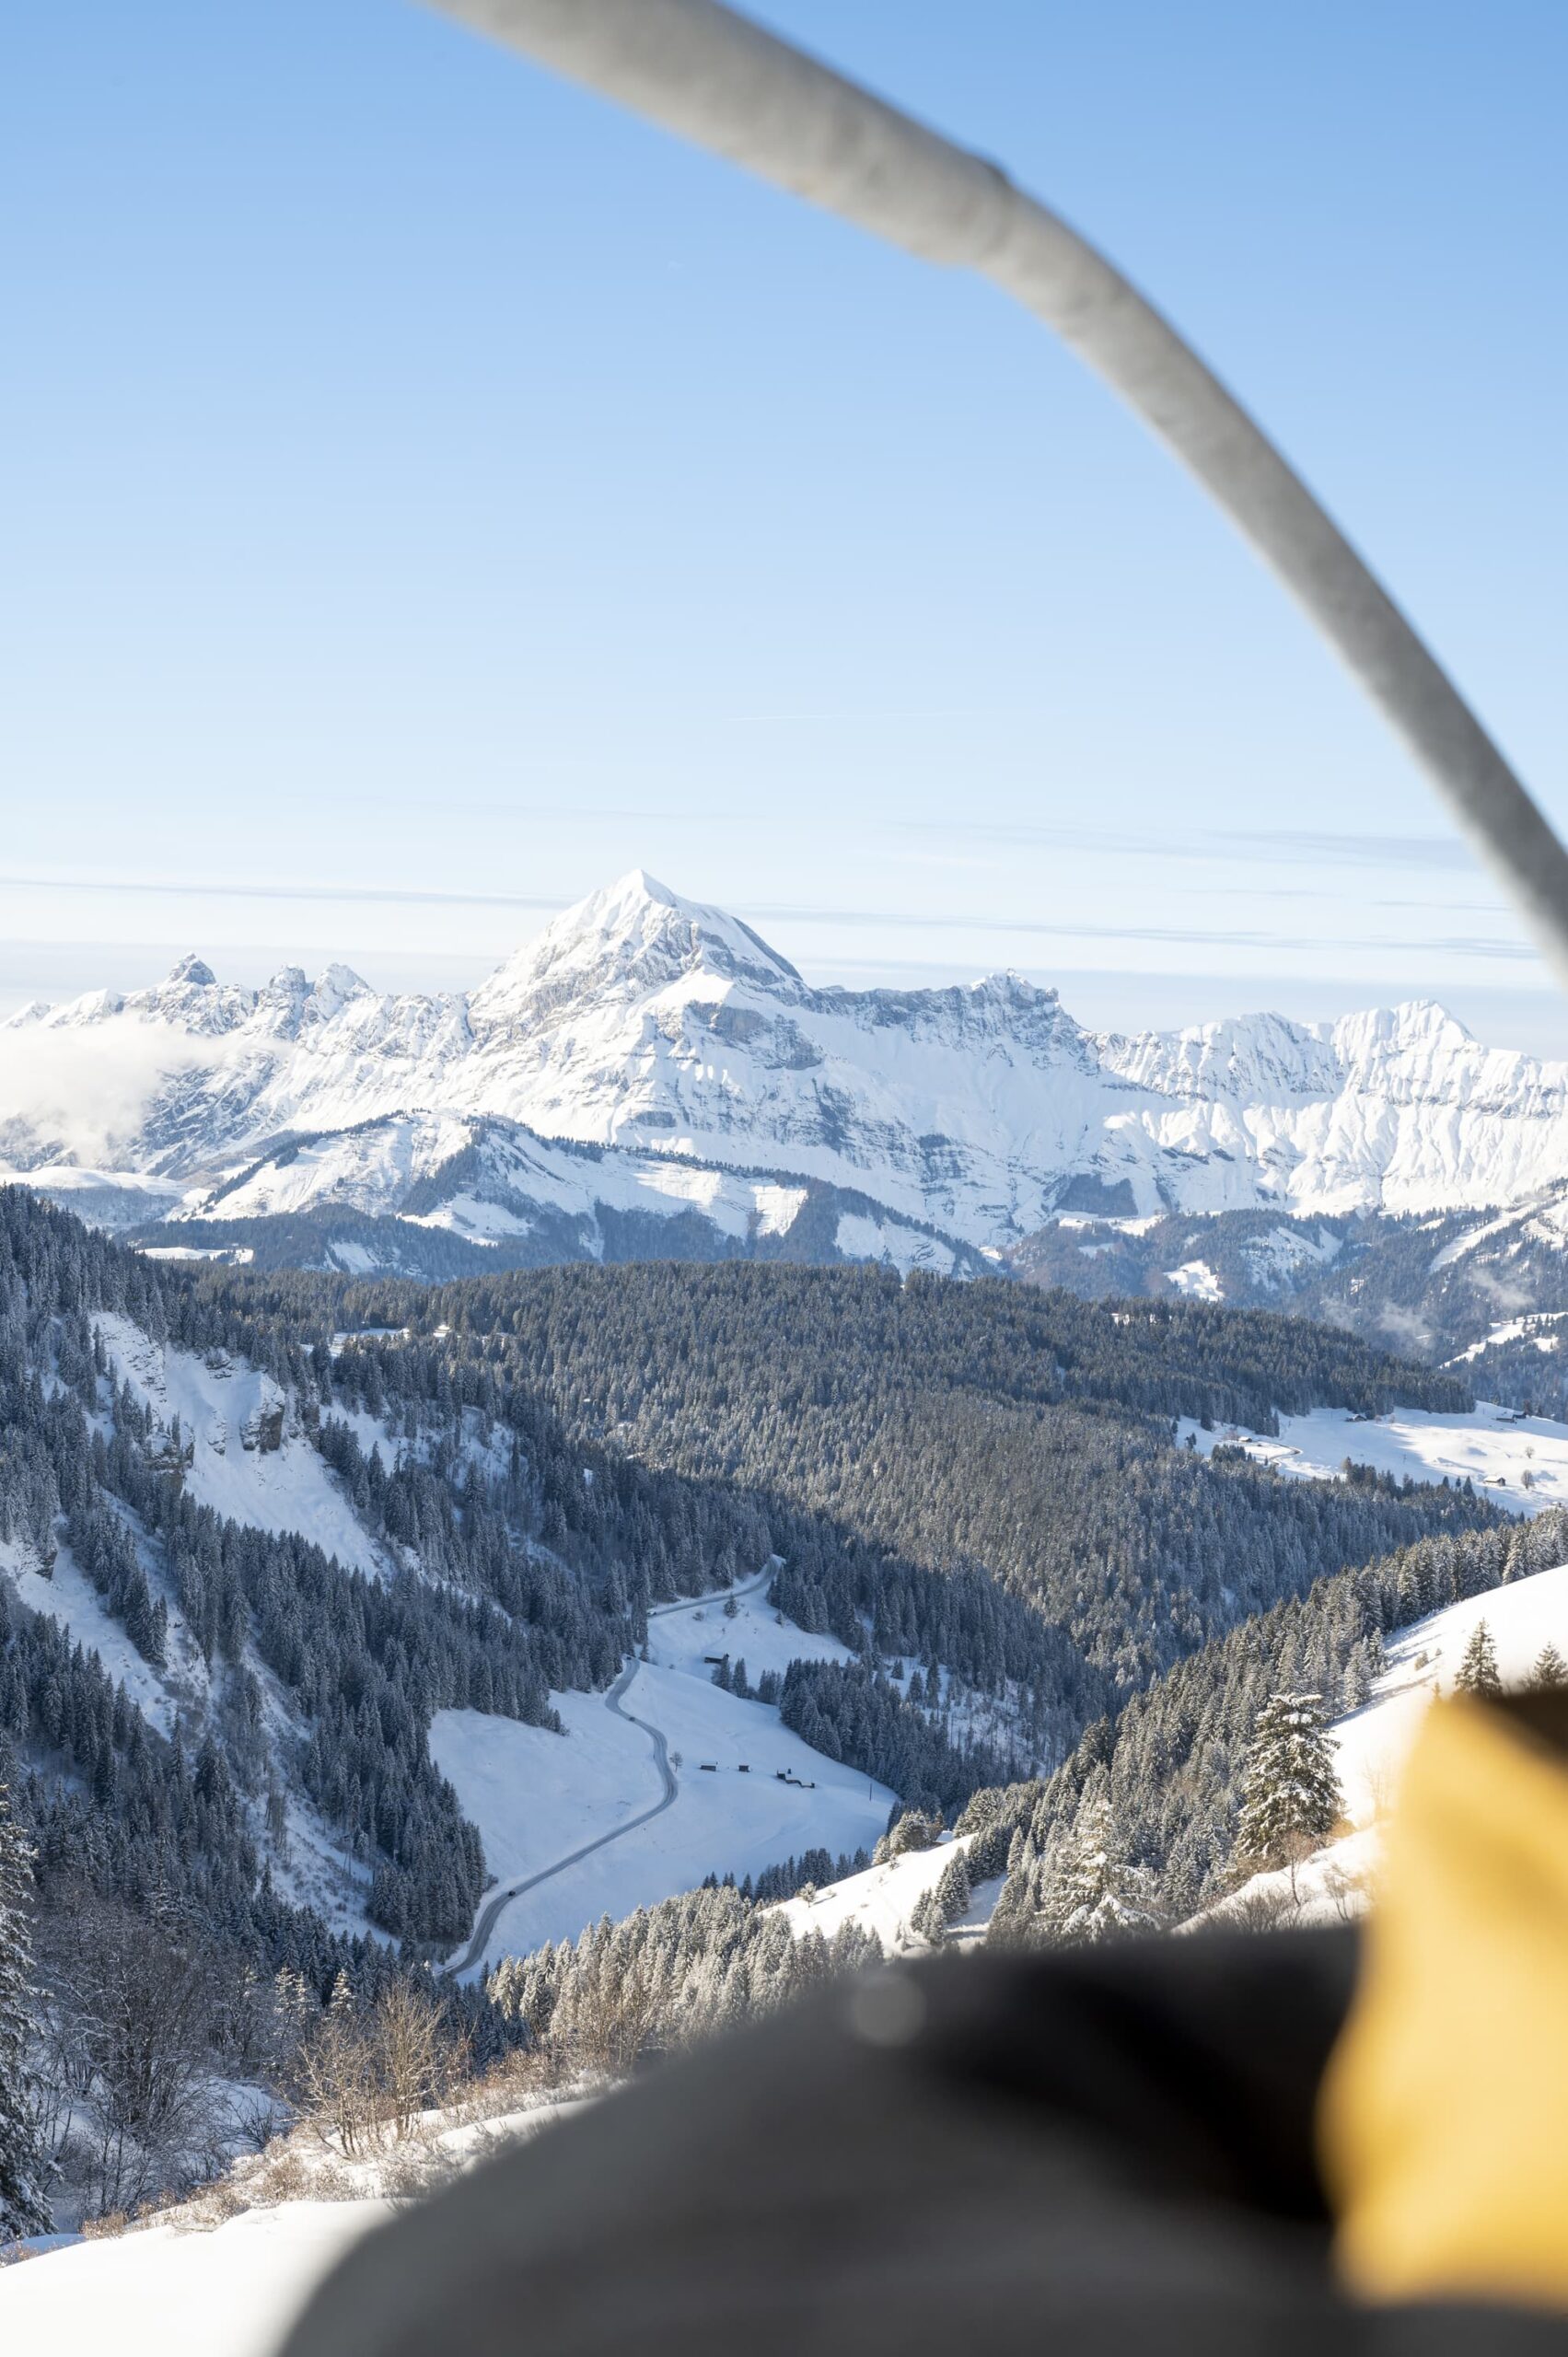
{"x": 642, "y": 1023}
{"x": 1418, "y": 1053}
{"x": 1416, "y": 1026}
{"x": 634, "y": 937}
{"x": 332, "y": 991}
{"x": 194, "y": 970}
{"x": 92, "y": 1006}
{"x": 1242, "y": 1058}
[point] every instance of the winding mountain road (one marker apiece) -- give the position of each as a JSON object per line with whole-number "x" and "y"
{"x": 499, "y": 1900}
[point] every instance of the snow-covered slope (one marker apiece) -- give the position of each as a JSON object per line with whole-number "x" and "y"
{"x": 882, "y": 1899}
{"x": 227, "y": 2272}
{"x": 649, "y": 1027}
{"x": 479, "y": 1181}
{"x": 1520, "y": 1461}
{"x": 236, "y": 1441}
{"x": 245, "y": 1451}
{"x": 1422, "y": 1660}
{"x": 1372, "y": 1743}
{"x": 169, "y": 2292}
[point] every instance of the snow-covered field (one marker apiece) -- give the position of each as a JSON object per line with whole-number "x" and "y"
{"x": 1521, "y": 1460}
{"x": 192, "y": 2288}
{"x": 1197, "y": 1280}
{"x": 230, "y": 2292}
{"x": 748, "y": 1794}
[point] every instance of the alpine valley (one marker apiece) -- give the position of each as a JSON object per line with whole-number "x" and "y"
{"x": 497, "y": 1667}
{"x": 648, "y": 1079}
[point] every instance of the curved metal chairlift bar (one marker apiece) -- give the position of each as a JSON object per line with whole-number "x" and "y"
{"x": 721, "y": 81}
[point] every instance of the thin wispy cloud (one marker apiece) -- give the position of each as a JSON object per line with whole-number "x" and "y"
{"x": 1264, "y": 846}
{"x": 1214, "y": 937}
{"x": 393, "y": 895}
{"x": 801, "y": 913}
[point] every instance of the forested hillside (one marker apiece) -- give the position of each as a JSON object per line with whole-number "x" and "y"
{"x": 929, "y": 1457}
{"x": 1140, "y": 1825}
{"x": 1169, "y": 1767}
{"x": 216, "y": 1695}
{"x": 976, "y": 1478}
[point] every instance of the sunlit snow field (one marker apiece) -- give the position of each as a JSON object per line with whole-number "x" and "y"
{"x": 537, "y": 1796}
{"x": 1522, "y": 1461}
{"x": 1422, "y": 1662}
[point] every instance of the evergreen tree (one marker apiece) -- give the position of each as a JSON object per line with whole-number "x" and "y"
{"x": 1550, "y": 1669}
{"x": 22, "y": 2206}
{"x": 1478, "y": 1672}
{"x": 926, "y": 1917}
{"x": 1012, "y": 1916}
{"x": 1357, "y": 1684}
{"x": 912, "y": 1831}
{"x": 1088, "y": 1891}
{"x": 1290, "y": 1792}
{"x": 954, "y": 1890}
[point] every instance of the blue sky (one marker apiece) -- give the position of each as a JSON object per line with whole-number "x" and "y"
{"x": 429, "y": 493}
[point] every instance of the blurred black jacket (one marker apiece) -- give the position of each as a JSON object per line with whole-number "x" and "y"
{"x": 1104, "y": 2150}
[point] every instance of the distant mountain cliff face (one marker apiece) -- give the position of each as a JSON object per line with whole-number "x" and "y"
{"x": 648, "y": 1075}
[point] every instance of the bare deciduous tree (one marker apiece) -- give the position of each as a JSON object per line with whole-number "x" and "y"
{"x": 129, "y": 2034}
{"x": 364, "y": 2074}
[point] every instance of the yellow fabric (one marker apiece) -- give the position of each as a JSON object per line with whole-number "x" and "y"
{"x": 1443, "y": 2120}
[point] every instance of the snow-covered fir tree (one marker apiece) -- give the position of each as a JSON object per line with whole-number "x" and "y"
{"x": 1549, "y": 1668}
{"x": 1289, "y": 1791}
{"x": 927, "y": 1921}
{"x": 913, "y": 1830}
{"x": 1087, "y": 1889}
{"x": 23, "y": 2209}
{"x": 1356, "y": 1686}
{"x": 954, "y": 1889}
{"x": 1012, "y": 1916}
{"x": 1477, "y": 1672}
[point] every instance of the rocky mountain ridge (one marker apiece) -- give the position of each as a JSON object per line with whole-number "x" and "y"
{"x": 649, "y": 1058}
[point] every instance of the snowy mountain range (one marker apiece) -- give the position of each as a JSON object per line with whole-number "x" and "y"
{"x": 648, "y": 1075}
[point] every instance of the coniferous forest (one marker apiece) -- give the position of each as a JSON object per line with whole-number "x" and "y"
{"x": 978, "y": 1487}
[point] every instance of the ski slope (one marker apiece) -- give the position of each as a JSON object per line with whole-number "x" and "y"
{"x": 1521, "y": 1461}
{"x": 585, "y": 1819}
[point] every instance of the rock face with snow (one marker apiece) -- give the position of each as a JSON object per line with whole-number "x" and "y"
{"x": 648, "y": 1058}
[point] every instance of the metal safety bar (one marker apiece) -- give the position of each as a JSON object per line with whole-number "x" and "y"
{"x": 718, "y": 79}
